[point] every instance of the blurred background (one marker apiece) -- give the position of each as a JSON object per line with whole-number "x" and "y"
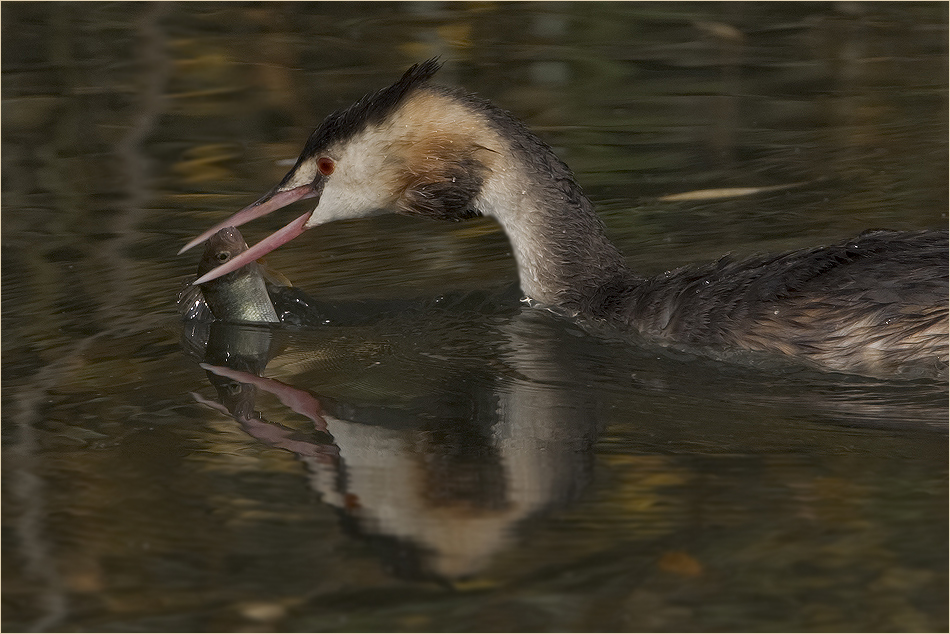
{"x": 686, "y": 494}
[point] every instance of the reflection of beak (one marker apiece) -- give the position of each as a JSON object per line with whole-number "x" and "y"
{"x": 300, "y": 401}
{"x": 271, "y": 201}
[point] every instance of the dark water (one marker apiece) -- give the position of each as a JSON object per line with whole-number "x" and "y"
{"x": 488, "y": 466}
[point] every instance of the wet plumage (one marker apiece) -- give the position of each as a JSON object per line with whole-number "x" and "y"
{"x": 876, "y": 304}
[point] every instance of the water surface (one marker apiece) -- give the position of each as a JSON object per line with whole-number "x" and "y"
{"x": 458, "y": 461}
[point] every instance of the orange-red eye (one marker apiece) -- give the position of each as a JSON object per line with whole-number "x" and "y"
{"x": 325, "y": 165}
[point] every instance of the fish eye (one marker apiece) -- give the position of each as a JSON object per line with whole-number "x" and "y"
{"x": 222, "y": 256}
{"x": 326, "y": 165}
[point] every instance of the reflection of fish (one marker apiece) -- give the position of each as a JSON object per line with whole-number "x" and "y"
{"x": 240, "y": 296}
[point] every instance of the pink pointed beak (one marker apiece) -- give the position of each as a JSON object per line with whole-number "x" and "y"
{"x": 268, "y": 203}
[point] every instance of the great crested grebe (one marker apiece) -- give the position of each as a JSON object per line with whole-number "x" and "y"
{"x": 876, "y": 304}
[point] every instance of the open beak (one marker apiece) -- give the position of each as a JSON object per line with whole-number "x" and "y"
{"x": 271, "y": 201}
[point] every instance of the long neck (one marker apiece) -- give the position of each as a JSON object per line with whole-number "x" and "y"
{"x": 564, "y": 256}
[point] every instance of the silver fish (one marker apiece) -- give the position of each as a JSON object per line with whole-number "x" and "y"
{"x": 239, "y": 296}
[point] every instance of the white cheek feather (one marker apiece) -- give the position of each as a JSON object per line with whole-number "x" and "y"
{"x": 363, "y": 183}
{"x": 304, "y": 175}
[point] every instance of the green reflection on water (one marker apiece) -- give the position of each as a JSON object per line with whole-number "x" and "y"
{"x": 129, "y": 127}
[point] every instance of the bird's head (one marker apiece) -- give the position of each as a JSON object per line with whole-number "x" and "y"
{"x": 411, "y": 148}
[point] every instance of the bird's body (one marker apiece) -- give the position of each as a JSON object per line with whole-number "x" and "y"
{"x": 876, "y": 304}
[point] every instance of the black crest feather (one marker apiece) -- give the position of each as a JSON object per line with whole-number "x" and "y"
{"x": 371, "y": 109}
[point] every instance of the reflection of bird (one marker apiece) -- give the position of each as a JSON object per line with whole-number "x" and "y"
{"x": 439, "y": 483}
{"x": 876, "y": 304}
